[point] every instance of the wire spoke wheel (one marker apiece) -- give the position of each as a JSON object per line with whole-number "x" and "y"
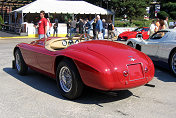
{"x": 18, "y": 61}
{"x": 65, "y": 78}
{"x": 20, "y": 65}
{"x": 174, "y": 63}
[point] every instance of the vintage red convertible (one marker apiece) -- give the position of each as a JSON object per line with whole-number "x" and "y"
{"x": 75, "y": 63}
{"x": 139, "y": 32}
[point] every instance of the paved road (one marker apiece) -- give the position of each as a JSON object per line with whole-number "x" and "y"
{"x": 36, "y": 96}
{"x": 5, "y": 34}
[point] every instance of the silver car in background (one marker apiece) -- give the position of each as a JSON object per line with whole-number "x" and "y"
{"x": 160, "y": 47}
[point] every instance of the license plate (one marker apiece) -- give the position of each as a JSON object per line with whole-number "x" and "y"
{"x": 135, "y": 72}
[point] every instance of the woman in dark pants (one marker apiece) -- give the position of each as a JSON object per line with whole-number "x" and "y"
{"x": 104, "y": 27}
{"x": 55, "y": 29}
{"x": 94, "y": 29}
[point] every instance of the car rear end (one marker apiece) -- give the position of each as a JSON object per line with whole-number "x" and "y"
{"x": 126, "y": 67}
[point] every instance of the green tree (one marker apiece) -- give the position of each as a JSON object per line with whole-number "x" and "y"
{"x": 132, "y": 8}
{"x": 162, "y": 15}
{"x": 169, "y": 6}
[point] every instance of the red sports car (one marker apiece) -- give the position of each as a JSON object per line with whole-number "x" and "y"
{"x": 139, "y": 32}
{"x": 75, "y": 63}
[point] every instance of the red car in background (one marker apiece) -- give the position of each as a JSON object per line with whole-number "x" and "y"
{"x": 139, "y": 32}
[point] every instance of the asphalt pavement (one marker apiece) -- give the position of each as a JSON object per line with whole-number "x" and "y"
{"x": 36, "y": 96}
{"x": 7, "y": 34}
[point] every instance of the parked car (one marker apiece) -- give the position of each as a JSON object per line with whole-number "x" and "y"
{"x": 76, "y": 63}
{"x": 161, "y": 47}
{"x": 137, "y": 33}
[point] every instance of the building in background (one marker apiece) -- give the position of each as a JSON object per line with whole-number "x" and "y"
{"x": 6, "y": 6}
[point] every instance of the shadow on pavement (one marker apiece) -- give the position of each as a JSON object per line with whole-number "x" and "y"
{"x": 48, "y": 85}
{"x": 164, "y": 74}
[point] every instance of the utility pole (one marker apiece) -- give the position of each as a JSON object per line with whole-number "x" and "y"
{"x": 107, "y": 3}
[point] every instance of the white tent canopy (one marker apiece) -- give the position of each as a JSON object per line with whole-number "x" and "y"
{"x": 64, "y": 7}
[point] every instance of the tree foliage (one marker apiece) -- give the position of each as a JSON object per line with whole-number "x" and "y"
{"x": 1, "y": 21}
{"x": 132, "y": 8}
{"x": 169, "y": 6}
{"x": 162, "y": 15}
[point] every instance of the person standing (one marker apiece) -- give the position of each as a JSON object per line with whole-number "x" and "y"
{"x": 68, "y": 26}
{"x": 166, "y": 23}
{"x": 88, "y": 26}
{"x": 152, "y": 28}
{"x": 42, "y": 26}
{"x": 55, "y": 27}
{"x": 162, "y": 25}
{"x": 49, "y": 25}
{"x": 73, "y": 26}
{"x": 110, "y": 29}
{"x": 94, "y": 29}
{"x": 104, "y": 27}
{"x": 81, "y": 26}
{"x": 157, "y": 24}
{"x": 99, "y": 27}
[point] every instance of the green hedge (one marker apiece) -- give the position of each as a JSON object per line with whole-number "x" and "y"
{"x": 135, "y": 23}
{"x": 1, "y": 22}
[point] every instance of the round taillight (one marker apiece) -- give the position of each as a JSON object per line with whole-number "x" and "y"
{"x": 125, "y": 73}
{"x": 146, "y": 69}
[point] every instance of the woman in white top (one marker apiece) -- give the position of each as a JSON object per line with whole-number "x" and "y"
{"x": 48, "y": 27}
{"x": 152, "y": 28}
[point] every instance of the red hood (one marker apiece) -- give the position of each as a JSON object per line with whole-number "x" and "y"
{"x": 127, "y": 33}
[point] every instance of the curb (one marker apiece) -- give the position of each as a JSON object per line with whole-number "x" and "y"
{"x": 17, "y": 37}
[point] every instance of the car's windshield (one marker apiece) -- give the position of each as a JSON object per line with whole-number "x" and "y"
{"x": 146, "y": 29}
{"x": 158, "y": 35}
{"x": 138, "y": 29}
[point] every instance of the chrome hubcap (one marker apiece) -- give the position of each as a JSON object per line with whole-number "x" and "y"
{"x": 18, "y": 62}
{"x": 65, "y": 79}
{"x": 174, "y": 63}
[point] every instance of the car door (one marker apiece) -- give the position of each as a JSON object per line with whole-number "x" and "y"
{"x": 45, "y": 58}
{"x": 151, "y": 46}
{"x": 165, "y": 46}
{"x": 28, "y": 53}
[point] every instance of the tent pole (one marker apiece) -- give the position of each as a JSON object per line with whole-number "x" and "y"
{"x": 9, "y": 18}
{"x": 73, "y": 16}
{"x": 22, "y": 18}
{"x": 113, "y": 19}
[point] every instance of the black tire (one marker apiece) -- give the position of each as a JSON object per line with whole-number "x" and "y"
{"x": 171, "y": 59}
{"x": 139, "y": 36}
{"x": 77, "y": 85}
{"x": 23, "y": 68}
{"x": 13, "y": 64}
{"x": 130, "y": 44}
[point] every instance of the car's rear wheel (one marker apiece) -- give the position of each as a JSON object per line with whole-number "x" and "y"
{"x": 21, "y": 66}
{"x": 173, "y": 62}
{"x": 68, "y": 80}
{"x": 130, "y": 44}
{"x": 139, "y": 36}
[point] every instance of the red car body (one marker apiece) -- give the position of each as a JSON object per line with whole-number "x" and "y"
{"x": 135, "y": 33}
{"x": 103, "y": 65}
